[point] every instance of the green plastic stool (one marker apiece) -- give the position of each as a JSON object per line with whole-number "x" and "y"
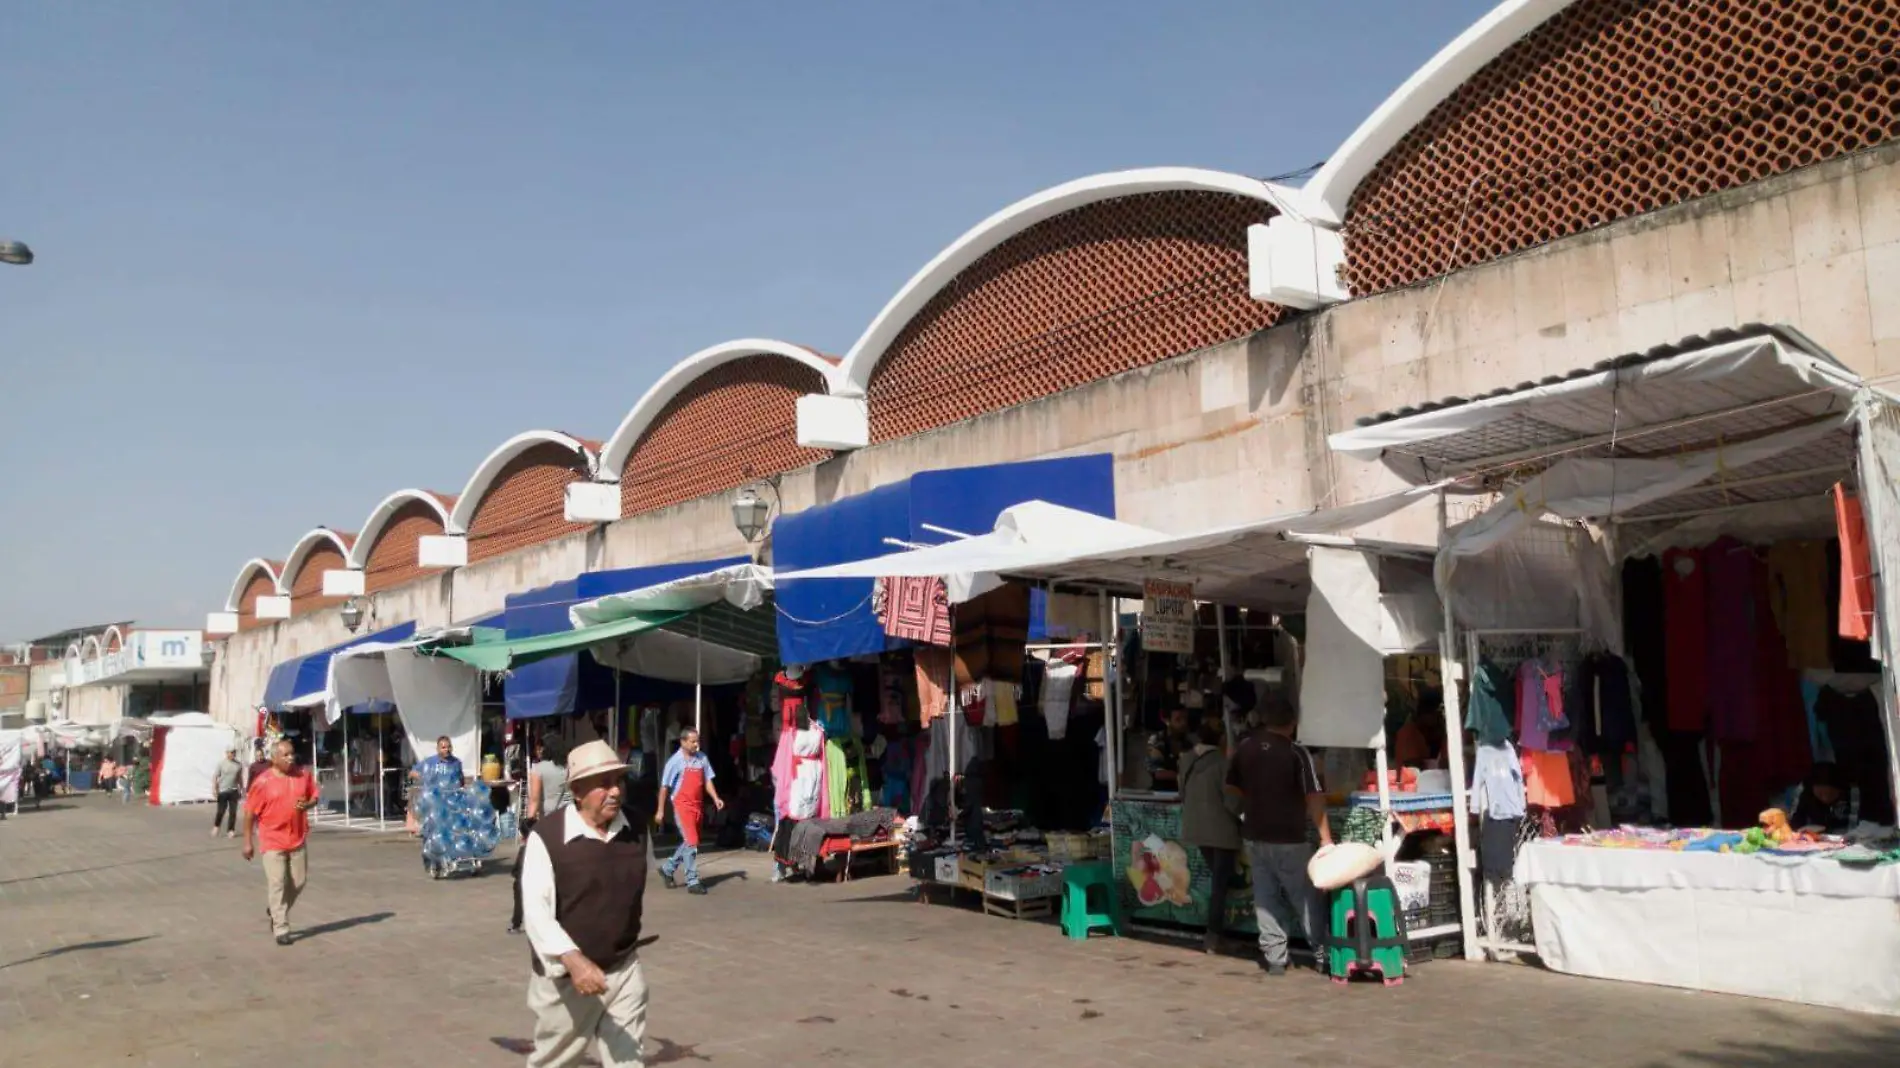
{"x": 1079, "y": 917}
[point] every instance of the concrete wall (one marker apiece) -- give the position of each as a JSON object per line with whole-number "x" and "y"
{"x": 100, "y": 704}
{"x": 1238, "y": 431}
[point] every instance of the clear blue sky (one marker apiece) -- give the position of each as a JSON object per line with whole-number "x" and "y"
{"x": 295, "y": 256}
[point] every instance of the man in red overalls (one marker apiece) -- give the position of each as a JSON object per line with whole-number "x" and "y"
{"x": 689, "y": 777}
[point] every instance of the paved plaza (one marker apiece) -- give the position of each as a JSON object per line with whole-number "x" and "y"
{"x": 129, "y": 937}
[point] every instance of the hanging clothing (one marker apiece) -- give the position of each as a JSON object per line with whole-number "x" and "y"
{"x": 1857, "y": 570}
{"x": 1058, "y": 685}
{"x": 1797, "y": 594}
{"x": 890, "y": 688}
{"x": 792, "y": 694}
{"x": 1737, "y": 613}
{"x": 918, "y": 610}
{"x": 1003, "y": 703}
{"x": 833, "y": 686}
{"x": 798, "y": 774}
{"x": 1497, "y": 783}
{"x": 1644, "y": 639}
{"x": 1490, "y": 709}
{"x": 933, "y": 676}
{"x": 990, "y": 633}
{"x": 1547, "y": 779}
{"x": 1605, "y": 713}
{"x": 1686, "y": 639}
{"x": 1540, "y": 706}
{"x": 1685, "y": 778}
{"x": 1860, "y": 747}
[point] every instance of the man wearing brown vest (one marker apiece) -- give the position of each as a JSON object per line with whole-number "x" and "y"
{"x": 583, "y": 876}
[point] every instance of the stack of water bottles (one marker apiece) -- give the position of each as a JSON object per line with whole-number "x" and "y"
{"x": 458, "y": 822}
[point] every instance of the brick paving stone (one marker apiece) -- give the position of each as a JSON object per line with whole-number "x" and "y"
{"x": 129, "y": 937}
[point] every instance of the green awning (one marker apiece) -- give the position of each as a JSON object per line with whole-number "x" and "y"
{"x": 501, "y": 653}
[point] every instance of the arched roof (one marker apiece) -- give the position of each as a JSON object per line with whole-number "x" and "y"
{"x": 90, "y": 648}
{"x": 385, "y": 510}
{"x": 106, "y": 639}
{"x": 250, "y": 568}
{"x": 613, "y": 456}
{"x": 302, "y": 550}
{"x": 490, "y": 469}
{"x": 1326, "y": 195}
{"x": 854, "y": 375}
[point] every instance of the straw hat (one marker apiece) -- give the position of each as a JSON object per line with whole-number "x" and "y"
{"x": 593, "y": 758}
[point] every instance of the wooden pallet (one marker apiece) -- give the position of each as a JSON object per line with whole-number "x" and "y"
{"x": 1034, "y": 908}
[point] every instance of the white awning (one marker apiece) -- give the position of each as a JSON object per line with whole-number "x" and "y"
{"x": 743, "y": 586}
{"x": 1260, "y": 564}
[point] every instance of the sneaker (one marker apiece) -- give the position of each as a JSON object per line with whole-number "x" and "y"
{"x": 667, "y": 878}
{"x": 283, "y": 939}
{"x": 230, "y": 834}
{"x": 214, "y": 830}
{"x": 695, "y": 888}
{"x": 1276, "y": 970}
{"x": 514, "y": 928}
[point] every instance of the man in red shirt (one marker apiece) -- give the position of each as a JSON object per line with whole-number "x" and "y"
{"x": 276, "y": 807}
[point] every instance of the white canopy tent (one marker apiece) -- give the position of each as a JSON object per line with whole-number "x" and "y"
{"x": 194, "y": 745}
{"x": 1740, "y": 432}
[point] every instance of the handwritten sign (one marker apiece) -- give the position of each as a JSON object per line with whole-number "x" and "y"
{"x": 1167, "y": 616}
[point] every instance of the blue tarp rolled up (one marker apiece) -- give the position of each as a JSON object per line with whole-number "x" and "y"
{"x": 310, "y": 674}
{"x": 828, "y": 619}
{"x": 564, "y": 684}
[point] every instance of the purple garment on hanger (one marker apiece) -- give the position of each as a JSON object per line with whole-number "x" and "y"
{"x": 1736, "y": 594}
{"x": 1540, "y": 706}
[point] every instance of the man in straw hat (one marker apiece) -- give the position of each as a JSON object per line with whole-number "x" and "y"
{"x": 583, "y": 877}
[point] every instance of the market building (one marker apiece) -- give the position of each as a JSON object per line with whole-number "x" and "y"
{"x": 1565, "y": 184}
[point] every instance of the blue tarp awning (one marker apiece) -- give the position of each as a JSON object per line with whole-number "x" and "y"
{"x": 828, "y": 619}
{"x": 305, "y": 675}
{"x": 564, "y": 684}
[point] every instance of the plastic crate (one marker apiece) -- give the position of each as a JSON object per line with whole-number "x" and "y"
{"x": 1022, "y": 884}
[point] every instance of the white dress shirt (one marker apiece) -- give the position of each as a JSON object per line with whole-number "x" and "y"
{"x": 537, "y": 888}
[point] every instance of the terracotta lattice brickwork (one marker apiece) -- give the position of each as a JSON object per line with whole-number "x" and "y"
{"x": 306, "y": 586}
{"x": 1085, "y": 295}
{"x": 525, "y": 505}
{"x": 259, "y": 585}
{"x": 734, "y": 424}
{"x": 1618, "y": 107}
{"x": 391, "y": 561}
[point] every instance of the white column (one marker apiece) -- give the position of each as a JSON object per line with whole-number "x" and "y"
{"x": 1450, "y": 671}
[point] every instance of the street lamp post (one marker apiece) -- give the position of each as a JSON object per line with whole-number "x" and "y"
{"x": 15, "y": 253}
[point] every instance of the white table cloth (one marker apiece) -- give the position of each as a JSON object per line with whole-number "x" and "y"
{"x": 1795, "y": 929}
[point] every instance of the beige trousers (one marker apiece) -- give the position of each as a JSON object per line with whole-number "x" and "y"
{"x": 284, "y": 877}
{"x": 566, "y": 1022}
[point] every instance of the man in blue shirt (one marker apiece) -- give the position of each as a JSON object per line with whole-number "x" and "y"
{"x": 689, "y": 777}
{"x": 443, "y": 757}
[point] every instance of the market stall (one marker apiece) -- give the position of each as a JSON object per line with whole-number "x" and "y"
{"x": 1650, "y": 601}
{"x": 1351, "y": 601}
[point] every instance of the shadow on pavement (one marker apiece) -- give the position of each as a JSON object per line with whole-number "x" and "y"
{"x": 342, "y": 925}
{"x": 77, "y": 947}
{"x": 121, "y": 864}
{"x": 1843, "y": 1050}
{"x": 711, "y": 881}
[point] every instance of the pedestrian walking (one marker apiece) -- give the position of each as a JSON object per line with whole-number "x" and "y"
{"x": 228, "y": 783}
{"x": 689, "y": 777}
{"x": 1280, "y": 791}
{"x": 583, "y": 881}
{"x": 276, "y": 808}
{"x": 1210, "y": 822}
{"x": 547, "y": 794}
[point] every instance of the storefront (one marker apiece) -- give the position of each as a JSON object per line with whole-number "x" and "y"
{"x": 1650, "y": 625}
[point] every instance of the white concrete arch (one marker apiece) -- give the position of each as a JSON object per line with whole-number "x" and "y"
{"x": 106, "y": 639}
{"x": 484, "y": 477}
{"x": 251, "y": 567}
{"x": 306, "y": 545}
{"x": 854, "y": 375}
{"x": 1326, "y": 195}
{"x": 90, "y": 649}
{"x": 613, "y": 456}
{"x": 385, "y": 510}
{"x": 73, "y": 650}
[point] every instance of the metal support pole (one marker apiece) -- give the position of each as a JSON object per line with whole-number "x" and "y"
{"x": 1220, "y": 636}
{"x": 349, "y": 786}
{"x": 382, "y": 821}
{"x": 613, "y": 721}
{"x": 1111, "y": 693}
{"x": 1450, "y": 671}
{"x": 950, "y": 692}
{"x": 699, "y": 675}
